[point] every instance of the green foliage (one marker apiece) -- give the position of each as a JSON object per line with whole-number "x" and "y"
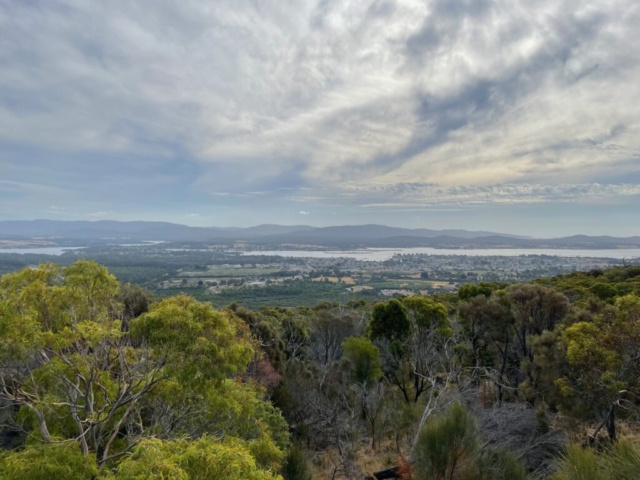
{"x": 389, "y": 321}
{"x": 238, "y": 410}
{"x": 471, "y": 290}
{"x": 619, "y": 462}
{"x": 448, "y": 448}
{"x": 603, "y": 356}
{"x": 364, "y": 359}
{"x": 137, "y": 388}
{"x": 426, "y": 313}
{"x": 536, "y": 309}
{"x": 603, "y": 291}
{"x": 291, "y": 294}
{"x": 499, "y": 464}
{"x": 265, "y": 327}
{"x": 583, "y": 287}
{"x": 445, "y": 445}
{"x": 296, "y": 337}
{"x": 135, "y": 301}
{"x": 62, "y": 461}
{"x": 203, "y": 459}
{"x": 201, "y": 343}
{"x": 489, "y": 324}
{"x": 412, "y": 355}
{"x": 296, "y": 465}
{"x": 104, "y": 390}
{"x": 622, "y": 461}
{"x": 46, "y": 294}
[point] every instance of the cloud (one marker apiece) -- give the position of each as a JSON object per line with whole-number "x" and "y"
{"x": 62, "y": 212}
{"x": 438, "y": 197}
{"x": 193, "y": 215}
{"x": 381, "y": 102}
{"x": 433, "y": 195}
{"x": 378, "y": 88}
{"x": 302, "y": 212}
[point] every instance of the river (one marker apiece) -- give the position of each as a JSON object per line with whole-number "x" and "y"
{"x": 60, "y": 250}
{"x": 382, "y": 254}
{"x": 39, "y": 250}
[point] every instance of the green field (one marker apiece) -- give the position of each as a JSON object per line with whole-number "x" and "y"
{"x": 230, "y": 272}
{"x": 292, "y": 294}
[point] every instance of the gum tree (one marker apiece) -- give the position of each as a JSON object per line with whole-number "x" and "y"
{"x": 75, "y": 376}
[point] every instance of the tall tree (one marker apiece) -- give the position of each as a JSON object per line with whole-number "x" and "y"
{"x": 389, "y": 321}
{"x": 78, "y": 378}
{"x": 605, "y": 356}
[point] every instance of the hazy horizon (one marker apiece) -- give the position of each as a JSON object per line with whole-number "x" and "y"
{"x": 534, "y": 221}
{"x": 309, "y": 224}
{"x": 513, "y": 117}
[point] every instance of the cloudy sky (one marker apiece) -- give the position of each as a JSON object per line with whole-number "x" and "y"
{"x": 520, "y": 116}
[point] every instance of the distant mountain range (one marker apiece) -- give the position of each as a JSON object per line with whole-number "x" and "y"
{"x": 110, "y": 229}
{"x": 347, "y": 236}
{"x": 114, "y": 230}
{"x": 497, "y": 241}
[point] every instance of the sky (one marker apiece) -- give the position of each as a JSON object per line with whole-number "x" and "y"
{"x": 518, "y": 116}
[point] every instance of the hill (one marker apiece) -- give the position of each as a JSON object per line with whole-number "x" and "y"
{"x": 110, "y": 229}
{"x": 345, "y": 236}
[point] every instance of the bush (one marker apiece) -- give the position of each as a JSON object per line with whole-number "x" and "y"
{"x": 62, "y": 461}
{"x": 448, "y": 449}
{"x": 620, "y": 462}
{"x": 296, "y": 466}
{"x": 623, "y": 461}
{"x": 495, "y": 464}
{"x": 446, "y": 445}
{"x": 205, "y": 458}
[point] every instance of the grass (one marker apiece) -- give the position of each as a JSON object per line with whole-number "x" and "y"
{"x": 230, "y": 272}
{"x": 293, "y": 294}
{"x": 366, "y": 461}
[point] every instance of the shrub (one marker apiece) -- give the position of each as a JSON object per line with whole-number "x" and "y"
{"x": 620, "y": 462}
{"x": 446, "y": 445}
{"x": 296, "y": 466}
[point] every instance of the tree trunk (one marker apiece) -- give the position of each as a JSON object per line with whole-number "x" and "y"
{"x": 611, "y": 424}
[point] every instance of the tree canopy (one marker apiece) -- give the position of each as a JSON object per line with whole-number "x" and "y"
{"x": 99, "y": 380}
{"x": 163, "y": 396}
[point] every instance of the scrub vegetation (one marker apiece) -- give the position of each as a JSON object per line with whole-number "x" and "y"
{"x": 534, "y": 380}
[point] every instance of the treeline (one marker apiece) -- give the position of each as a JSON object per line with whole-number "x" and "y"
{"x": 523, "y": 381}
{"x": 139, "y": 265}
{"x": 508, "y": 376}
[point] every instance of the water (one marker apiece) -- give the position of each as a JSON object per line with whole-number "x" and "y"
{"x": 39, "y": 250}
{"x": 382, "y": 254}
{"x": 60, "y": 250}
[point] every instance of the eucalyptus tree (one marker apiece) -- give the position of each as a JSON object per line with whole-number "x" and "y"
{"x": 89, "y": 392}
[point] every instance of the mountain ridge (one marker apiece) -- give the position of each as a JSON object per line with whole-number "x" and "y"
{"x": 342, "y": 236}
{"x": 93, "y": 229}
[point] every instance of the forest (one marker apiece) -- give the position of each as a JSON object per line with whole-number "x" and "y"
{"x": 536, "y": 380}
